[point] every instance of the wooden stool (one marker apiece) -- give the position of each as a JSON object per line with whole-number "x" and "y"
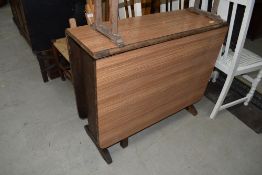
{"x": 47, "y": 64}
{"x": 61, "y": 54}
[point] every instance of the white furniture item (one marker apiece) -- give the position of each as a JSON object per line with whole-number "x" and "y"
{"x": 175, "y": 5}
{"x": 137, "y": 9}
{"x": 238, "y": 62}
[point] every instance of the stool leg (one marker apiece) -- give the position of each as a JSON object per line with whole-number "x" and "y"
{"x": 42, "y": 68}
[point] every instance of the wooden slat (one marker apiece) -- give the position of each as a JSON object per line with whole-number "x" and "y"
{"x": 61, "y": 46}
{"x": 197, "y": 4}
{"x": 72, "y": 23}
{"x": 215, "y": 6}
{"x": 143, "y": 31}
{"x": 139, "y": 88}
{"x": 113, "y": 6}
{"x": 89, "y": 7}
{"x": 98, "y": 12}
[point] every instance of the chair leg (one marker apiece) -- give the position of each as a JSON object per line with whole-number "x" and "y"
{"x": 253, "y": 88}
{"x": 43, "y": 71}
{"x": 222, "y": 96}
{"x": 215, "y": 76}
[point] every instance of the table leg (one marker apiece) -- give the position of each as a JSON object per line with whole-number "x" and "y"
{"x": 103, "y": 151}
{"x": 192, "y": 110}
{"x": 124, "y": 143}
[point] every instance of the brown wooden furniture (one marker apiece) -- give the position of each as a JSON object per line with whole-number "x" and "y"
{"x": 163, "y": 67}
{"x": 60, "y": 46}
{"x": 2, "y": 2}
{"x": 40, "y": 22}
{"x": 19, "y": 18}
{"x": 89, "y": 9}
{"x": 61, "y": 54}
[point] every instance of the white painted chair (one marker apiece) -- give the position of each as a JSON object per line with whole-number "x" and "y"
{"x": 240, "y": 61}
{"x": 171, "y": 5}
{"x": 128, "y": 10}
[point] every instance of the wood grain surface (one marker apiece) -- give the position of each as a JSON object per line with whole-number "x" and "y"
{"x": 139, "y": 88}
{"x": 144, "y": 31}
{"x": 163, "y": 68}
{"x": 83, "y": 75}
{"x": 61, "y": 46}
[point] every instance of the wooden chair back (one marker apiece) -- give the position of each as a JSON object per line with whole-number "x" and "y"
{"x": 89, "y": 12}
{"x": 171, "y": 5}
{"x": 204, "y": 5}
{"x": 72, "y": 23}
{"x": 117, "y": 10}
{"x": 129, "y": 8}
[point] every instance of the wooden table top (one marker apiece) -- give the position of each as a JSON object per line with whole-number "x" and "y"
{"x": 144, "y": 31}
